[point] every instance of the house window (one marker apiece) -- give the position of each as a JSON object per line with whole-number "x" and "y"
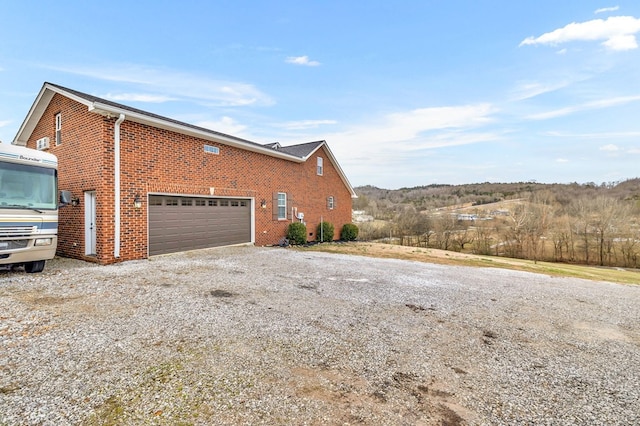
{"x": 282, "y": 205}
{"x": 319, "y": 166}
{"x": 58, "y": 128}
{"x": 201, "y": 202}
{"x": 330, "y": 203}
{"x": 212, "y": 149}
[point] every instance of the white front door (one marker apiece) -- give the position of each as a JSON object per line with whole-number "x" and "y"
{"x": 90, "y": 223}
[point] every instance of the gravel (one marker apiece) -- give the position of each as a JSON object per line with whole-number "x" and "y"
{"x": 248, "y": 335}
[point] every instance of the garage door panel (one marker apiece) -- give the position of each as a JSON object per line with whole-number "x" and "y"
{"x": 188, "y": 226}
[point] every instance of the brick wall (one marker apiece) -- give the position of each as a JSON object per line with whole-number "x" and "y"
{"x": 160, "y": 161}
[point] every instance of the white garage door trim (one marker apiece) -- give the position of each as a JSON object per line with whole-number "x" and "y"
{"x": 195, "y": 222}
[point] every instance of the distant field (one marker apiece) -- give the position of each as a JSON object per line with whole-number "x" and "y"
{"x": 615, "y": 275}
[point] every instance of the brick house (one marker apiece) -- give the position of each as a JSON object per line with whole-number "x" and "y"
{"x": 146, "y": 184}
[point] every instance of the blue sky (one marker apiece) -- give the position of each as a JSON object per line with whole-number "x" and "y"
{"x": 405, "y": 93}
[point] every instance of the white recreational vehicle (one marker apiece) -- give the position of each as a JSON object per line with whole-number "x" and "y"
{"x": 28, "y": 207}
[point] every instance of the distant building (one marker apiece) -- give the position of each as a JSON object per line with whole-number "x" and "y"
{"x": 360, "y": 216}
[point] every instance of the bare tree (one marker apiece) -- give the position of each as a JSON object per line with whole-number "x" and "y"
{"x": 562, "y": 238}
{"x": 608, "y": 214}
{"x": 537, "y": 222}
{"x": 516, "y": 231}
{"x": 484, "y": 238}
{"x": 580, "y": 210}
{"x": 410, "y": 225}
{"x": 630, "y": 247}
{"x": 445, "y": 226}
{"x": 462, "y": 237}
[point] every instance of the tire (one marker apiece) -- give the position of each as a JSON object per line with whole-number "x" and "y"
{"x": 31, "y": 267}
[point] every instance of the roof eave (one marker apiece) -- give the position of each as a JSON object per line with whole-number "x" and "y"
{"x": 46, "y": 94}
{"x": 33, "y": 116}
{"x": 111, "y": 111}
{"x": 36, "y": 111}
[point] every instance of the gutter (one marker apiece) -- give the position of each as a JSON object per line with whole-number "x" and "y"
{"x": 183, "y": 128}
{"x": 116, "y": 189}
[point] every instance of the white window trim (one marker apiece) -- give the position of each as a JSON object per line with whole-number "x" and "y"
{"x": 282, "y": 206}
{"x": 58, "y": 128}
{"x": 209, "y": 149}
{"x": 330, "y": 202}
{"x": 319, "y": 166}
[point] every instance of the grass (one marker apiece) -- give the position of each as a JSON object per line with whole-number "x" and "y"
{"x": 614, "y": 275}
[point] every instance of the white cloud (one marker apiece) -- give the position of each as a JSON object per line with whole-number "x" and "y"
{"x": 606, "y": 9}
{"x": 610, "y": 148}
{"x": 621, "y": 42}
{"x": 400, "y": 143}
{"x": 561, "y": 160}
{"x": 137, "y": 97}
{"x": 304, "y": 124}
{"x": 4, "y": 123}
{"x": 600, "y": 135}
{"x": 601, "y": 103}
{"x": 302, "y": 60}
{"x": 404, "y": 129}
{"x": 617, "y": 33}
{"x": 176, "y": 85}
{"x": 397, "y": 139}
{"x": 225, "y": 125}
{"x": 527, "y": 90}
{"x": 634, "y": 151}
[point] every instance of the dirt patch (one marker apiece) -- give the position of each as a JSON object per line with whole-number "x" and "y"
{"x": 221, "y": 293}
{"x": 590, "y": 331}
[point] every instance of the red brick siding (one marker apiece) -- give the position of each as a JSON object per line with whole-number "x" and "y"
{"x": 159, "y": 161}
{"x": 85, "y": 164}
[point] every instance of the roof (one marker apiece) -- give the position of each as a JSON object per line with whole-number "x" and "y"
{"x": 297, "y": 153}
{"x": 302, "y": 150}
{"x": 116, "y": 105}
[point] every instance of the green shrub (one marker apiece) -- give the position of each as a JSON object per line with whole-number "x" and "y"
{"x": 297, "y": 233}
{"x": 324, "y": 232}
{"x": 349, "y": 232}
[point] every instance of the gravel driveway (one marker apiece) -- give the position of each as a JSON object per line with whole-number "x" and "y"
{"x": 249, "y": 335}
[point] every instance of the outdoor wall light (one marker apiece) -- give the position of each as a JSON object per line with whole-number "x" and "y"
{"x": 137, "y": 202}
{"x": 263, "y": 203}
{"x": 75, "y": 201}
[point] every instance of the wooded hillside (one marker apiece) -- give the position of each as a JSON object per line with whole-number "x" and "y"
{"x": 581, "y": 223}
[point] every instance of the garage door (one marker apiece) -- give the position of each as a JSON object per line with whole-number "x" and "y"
{"x": 183, "y": 223}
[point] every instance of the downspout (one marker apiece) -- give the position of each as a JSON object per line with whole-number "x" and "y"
{"x": 116, "y": 197}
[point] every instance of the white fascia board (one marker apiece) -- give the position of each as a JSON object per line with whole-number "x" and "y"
{"x": 69, "y": 95}
{"x": 109, "y": 110}
{"x": 40, "y": 104}
{"x": 33, "y": 116}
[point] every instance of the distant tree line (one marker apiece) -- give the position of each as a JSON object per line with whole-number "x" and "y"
{"x": 577, "y": 223}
